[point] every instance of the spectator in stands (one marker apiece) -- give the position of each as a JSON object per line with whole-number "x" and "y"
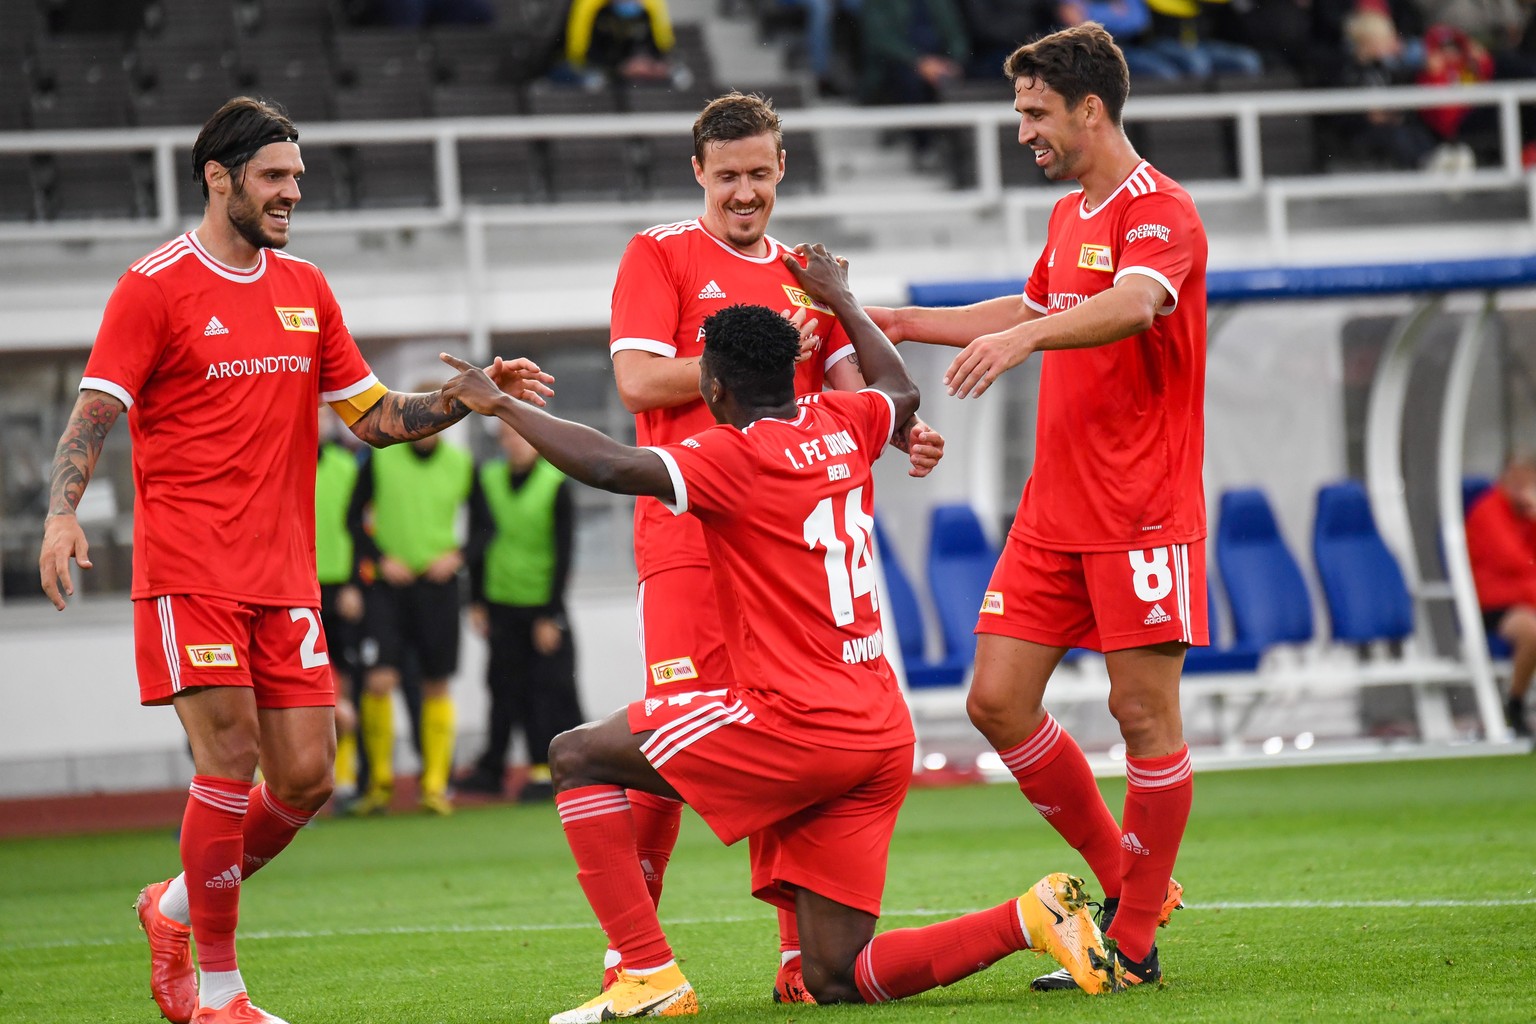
{"x": 1451, "y": 57}
{"x": 522, "y": 528}
{"x": 1501, "y": 541}
{"x": 414, "y": 493}
{"x": 1130, "y": 22}
{"x": 1185, "y": 32}
{"x": 911, "y": 49}
{"x": 420, "y": 13}
{"x": 1378, "y": 57}
{"x": 998, "y": 27}
{"x": 620, "y": 41}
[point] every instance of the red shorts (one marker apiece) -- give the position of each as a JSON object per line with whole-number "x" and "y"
{"x": 682, "y": 641}
{"x": 1102, "y": 600}
{"x": 184, "y": 641}
{"x": 819, "y": 818}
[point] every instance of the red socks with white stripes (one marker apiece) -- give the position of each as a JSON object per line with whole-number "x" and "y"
{"x": 1158, "y": 795}
{"x": 1054, "y": 776}
{"x": 269, "y": 827}
{"x": 601, "y": 832}
{"x": 906, "y": 961}
{"x": 211, "y": 845}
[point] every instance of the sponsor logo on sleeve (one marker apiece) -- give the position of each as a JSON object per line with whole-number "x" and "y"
{"x": 992, "y": 603}
{"x": 298, "y": 318}
{"x": 678, "y": 670}
{"x": 798, "y": 297}
{"x": 212, "y": 656}
{"x": 1142, "y": 231}
{"x": 1095, "y": 257}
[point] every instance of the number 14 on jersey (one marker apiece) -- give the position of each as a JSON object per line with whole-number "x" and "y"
{"x": 844, "y": 531}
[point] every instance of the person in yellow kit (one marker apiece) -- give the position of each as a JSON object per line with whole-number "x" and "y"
{"x": 341, "y": 599}
{"x": 414, "y": 493}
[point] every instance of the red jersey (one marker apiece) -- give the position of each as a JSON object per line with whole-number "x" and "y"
{"x": 1502, "y": 546}
{"x": 670, "y": 279}
{"x": 222, "y": 370}
{"x": 1120, "y": 431}
{"x": 787, "y": 509}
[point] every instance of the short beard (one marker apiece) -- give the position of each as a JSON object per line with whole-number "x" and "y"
{"x": 246, "y": 218}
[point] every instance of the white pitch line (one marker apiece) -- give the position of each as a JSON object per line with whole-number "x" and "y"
{"x": 490, "y": 929}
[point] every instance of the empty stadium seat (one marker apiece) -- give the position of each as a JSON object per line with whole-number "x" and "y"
{"x": 908, "y": 616}
{"x": 960, "y": 564}
{"x": 586, "y": 168}
{"x": 178, "y": 81}
{"x": 1368, "y": 599}
{"x": 1235, "y": 657}
{"x": 1265, "y": 589}
{"x": 293, "y": 72}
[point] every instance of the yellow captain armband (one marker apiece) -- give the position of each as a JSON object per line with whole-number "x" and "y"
{"x": 352, "y": 409}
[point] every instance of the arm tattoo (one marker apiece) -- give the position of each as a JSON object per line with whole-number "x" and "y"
{"x": 404, "y": 417}
{"x": 75, "y": 458}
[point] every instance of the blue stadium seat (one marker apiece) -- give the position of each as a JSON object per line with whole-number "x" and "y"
{"x": 1208, "y": 660}
{"x": 908, "y": 615}
{"x": 1367, "y": 597}
{"x": 960, "y": 563}
{"x": 1265, "y": 589}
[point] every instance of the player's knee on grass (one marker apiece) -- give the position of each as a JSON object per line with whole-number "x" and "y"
{"x": 569, "y": 760}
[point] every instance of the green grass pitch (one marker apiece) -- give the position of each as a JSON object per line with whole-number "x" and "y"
{"x": 1382, "y": 892}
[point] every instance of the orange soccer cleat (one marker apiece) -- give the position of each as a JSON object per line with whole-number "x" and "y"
{"x": 789, "y": 986}
{"x": 172, "y": 978}
{"x": 1055, "y": 916}
{"x": 237, "y": 1011}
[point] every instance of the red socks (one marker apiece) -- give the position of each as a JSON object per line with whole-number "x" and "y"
{"x": 1054, "y": 776}
{"x": 270, "y": 825}
{"x": 211, "y": 846}
{"x": 1159, "y": 791}
{"x": 789, "y": 932}
{"x": 600, "y": 830}
{"x": 656, "y": 823}
{"x": 906, "y": 961}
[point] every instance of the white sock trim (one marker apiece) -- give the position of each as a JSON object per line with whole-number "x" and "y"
{"x": 611, "y": 959}
{"x": 173, "y": 902}
{"x": 215, "y": 989}
{"x": 787, "y": 955}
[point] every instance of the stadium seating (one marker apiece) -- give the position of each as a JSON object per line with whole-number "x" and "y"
{"x": 586, "y": 168}
{"x": 960, "y": 564}
{"x": 908, "y": 615}
{"x": 1265, "y": 589}
{"x": 1218, "y": 657}
{"x": 1368, "y": 599}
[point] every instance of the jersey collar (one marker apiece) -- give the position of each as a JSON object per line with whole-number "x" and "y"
{"x": 1085, "y": 215}
{"x": 774, "y": 245}
{"x": 224, "y": 270}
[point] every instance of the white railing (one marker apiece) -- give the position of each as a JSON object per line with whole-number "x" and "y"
{"x": 988, "y": 195}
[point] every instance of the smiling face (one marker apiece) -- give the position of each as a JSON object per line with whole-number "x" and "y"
{"x": 1055, "y": 134}
{"x": 261, "y": 195}
{"x": 740, "y": 179}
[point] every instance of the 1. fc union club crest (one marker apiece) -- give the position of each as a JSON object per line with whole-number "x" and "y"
{"x": 298, "y": 318}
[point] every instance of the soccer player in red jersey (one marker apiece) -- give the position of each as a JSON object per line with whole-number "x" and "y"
{"x": 1107, "y": 548}
{"x": 670, "y": 278}
{"x": 809, "y": 749}
{"x": 219, "y": 346}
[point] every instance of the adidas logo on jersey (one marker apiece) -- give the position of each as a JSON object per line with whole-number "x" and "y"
{"x": 1156, "y": 616}
{"x": 226, "y": 879}
{"x": 1131, "y": 844}
{"x": 214, "y": 327}
{"x": 712, "y": 291}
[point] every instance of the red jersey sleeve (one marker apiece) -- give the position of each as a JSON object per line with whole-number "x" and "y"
{"x": 134, "y": 332}
{"x": 344, "y": 373}
{"x": 645, "y": 307}
{"x": 872, "y": 417}
{"x": 1037, "y": 290}
{"x": 712, "y": 471}
{"x": 1156, "y": 240}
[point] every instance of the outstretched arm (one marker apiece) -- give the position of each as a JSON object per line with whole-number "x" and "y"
{"x": 399, "y": 416}
{"x": 73, "y": 463}
{"x": 578, "y": 451}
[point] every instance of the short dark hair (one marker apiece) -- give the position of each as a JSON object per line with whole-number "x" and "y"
{"x": 752, "y": 351}
{"x": 1076, "y": 62}
{"x": 236, "y": 131}
{"x": 733, "y": 117}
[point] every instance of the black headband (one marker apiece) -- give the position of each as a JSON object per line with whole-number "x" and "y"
{"x": 239, "y": 153}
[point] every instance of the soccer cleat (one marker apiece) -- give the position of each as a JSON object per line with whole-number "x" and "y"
{"x": 435, "y": 803}
{"x": 1061, "y": 980}
{"x": 663, "y": 993}
{"x": 789, "y": 986}
{"x": 172, "y": 978}
{"x": 375, "y": 801}
{"x": 1055, "y": 916}
{"x": 1135, "y": 972}
{"x": 237, "y": 1011}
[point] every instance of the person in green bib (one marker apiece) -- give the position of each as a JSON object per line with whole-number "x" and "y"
{"x": 341, "y": 599}
{"x": 522, "y": 528}
{"x": 412, "y": 495}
